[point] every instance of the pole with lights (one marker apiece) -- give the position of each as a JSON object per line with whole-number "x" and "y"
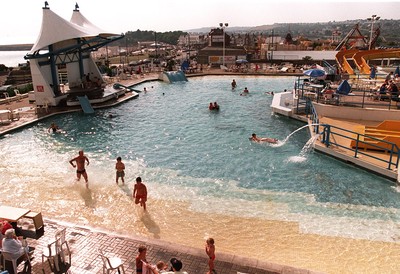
{"x": 373, "y": 18}
{"x": 223, "y": 26}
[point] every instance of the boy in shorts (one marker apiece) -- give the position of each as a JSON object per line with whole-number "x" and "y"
{"x": 140, "y": 193}
{"x": 120, "y": 167}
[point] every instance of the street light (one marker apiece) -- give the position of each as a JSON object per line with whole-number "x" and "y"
{"x": 223, "y": 26}
{"x": 373, "y": 18}
{"x": 188, "y": 36}
{"x": 155, "y": 43}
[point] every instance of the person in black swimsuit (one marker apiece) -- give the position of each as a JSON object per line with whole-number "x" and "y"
{"x": 80, "y": 166}
{"x": 53, "y": 127}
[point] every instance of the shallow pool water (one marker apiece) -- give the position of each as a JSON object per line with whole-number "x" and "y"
{"x": 198, "y": 165}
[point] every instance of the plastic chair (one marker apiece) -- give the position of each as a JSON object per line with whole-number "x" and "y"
{"x": 52, "y": 254}
{"x": 111, "y": 264}
{"x": 17, "y": 95}
{"x": 9, "y": 257}
{"x": 6, "y": 98}
{"x": 63, "y": 248}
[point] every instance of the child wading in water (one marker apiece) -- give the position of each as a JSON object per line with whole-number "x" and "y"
{"x": 120, "y": 167}
{"x": 140, "y": 193}
{"x": 210, "y": 250}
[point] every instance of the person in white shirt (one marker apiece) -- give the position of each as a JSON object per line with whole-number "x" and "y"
{"x": 13, "y": 245}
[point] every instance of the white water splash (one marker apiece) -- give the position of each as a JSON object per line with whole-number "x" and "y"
{"x": 308, "y": 146}
{"x": 296, "y": 159}
{"x": 304, "y": 151}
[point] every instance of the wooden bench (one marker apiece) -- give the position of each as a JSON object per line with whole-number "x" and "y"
{"x": 36, "y": 218}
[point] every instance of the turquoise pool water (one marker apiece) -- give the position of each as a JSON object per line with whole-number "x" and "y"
{"x": 188, "y": 154}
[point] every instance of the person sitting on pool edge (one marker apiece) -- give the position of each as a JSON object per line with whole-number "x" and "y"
{"x": 265, "y": 139}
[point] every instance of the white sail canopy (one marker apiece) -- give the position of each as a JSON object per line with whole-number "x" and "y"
{"x": 55, "y": 29}
{"x": 77, "y": 18}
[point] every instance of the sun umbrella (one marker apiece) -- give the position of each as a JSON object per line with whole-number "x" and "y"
{"x": 241, "y": 61}
{"x": 314, "y": 72}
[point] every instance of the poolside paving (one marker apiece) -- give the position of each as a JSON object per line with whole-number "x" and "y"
{"x": 84, "y": 243}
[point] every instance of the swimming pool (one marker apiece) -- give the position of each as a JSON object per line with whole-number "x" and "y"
{"x": 205, "y": 178}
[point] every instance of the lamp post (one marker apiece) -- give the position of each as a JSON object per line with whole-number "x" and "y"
{"x": 188, "y": 36}
{"x": 155, "y": 43}
{"x": 126, "y": 51}
{"x": 223, "y": 26}
{"x": 373, "y": 18}
{"x": 272, "y": 51}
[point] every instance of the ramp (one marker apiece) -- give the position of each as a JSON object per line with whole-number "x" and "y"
{"x": 85, "y": 104}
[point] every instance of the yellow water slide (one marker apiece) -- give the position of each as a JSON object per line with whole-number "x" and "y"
{"x": 361, "y": 57}
{"x": 341, "y": 59}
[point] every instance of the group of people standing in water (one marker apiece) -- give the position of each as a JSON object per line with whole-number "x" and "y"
{"x": 213, "y": 106}
{"x": 139, "y": 193}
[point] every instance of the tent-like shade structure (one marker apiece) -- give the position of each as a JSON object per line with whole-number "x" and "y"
{"x": 64, "y": 45}
{"x": 55, "y": 29}
{"x": 77, "y": 18}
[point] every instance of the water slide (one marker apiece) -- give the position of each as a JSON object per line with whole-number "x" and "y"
{"x": 361, "y": 57}
{"x": 85, "y": 104}
{"x": 341, "y": 59}
{"x": 173, "y": 76}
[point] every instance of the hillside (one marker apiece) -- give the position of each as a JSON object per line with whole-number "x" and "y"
{"x": 390, "y": 31}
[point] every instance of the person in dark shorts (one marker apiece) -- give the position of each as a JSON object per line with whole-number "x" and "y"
{"x": 120, "y": 167}
{"x": 80, "y": 166}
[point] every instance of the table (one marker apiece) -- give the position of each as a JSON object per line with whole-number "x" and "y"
{"x": 12, "y": 213}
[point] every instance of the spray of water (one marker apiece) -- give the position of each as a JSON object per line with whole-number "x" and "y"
{"x": 304, "y": 151}
{"x": 281, "y": 143}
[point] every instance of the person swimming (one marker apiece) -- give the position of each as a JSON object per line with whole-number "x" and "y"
{"x": 255, "y": 138}
{"x": 53, "y": 127}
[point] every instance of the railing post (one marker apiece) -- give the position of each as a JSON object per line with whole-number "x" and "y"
{"x": 327, "y": 132}
{"x": 356, "y": 149}
{"x": 363, "y": 100}
{"x": 391, "y": 157}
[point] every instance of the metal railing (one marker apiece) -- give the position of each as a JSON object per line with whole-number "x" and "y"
{"x": 330, "y": 133}
{"x": 363, "y": 95}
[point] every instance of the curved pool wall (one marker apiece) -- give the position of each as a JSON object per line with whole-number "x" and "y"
{"x": 205, "y": 178}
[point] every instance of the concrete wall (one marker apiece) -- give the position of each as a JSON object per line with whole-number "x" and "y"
{"x": 41, "y": 79}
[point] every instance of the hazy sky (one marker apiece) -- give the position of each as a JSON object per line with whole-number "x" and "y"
{"x": 20, "y": 20}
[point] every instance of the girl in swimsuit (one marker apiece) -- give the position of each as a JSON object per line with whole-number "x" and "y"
{"x": 210, "y": 250}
